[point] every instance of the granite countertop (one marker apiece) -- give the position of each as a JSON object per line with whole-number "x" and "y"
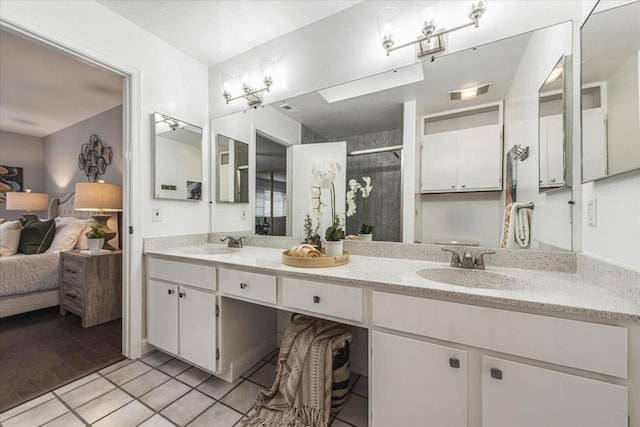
{"x": 544, "y": 290}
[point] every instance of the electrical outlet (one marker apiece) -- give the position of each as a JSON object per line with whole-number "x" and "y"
{"x": 243, "y": 214}
{"x": 156, "y": 214}
{"x": 592, "y": 213}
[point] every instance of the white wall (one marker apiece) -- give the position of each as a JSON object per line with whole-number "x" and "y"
{"x": 169, "y": 81}
{"x": 26, "y": 152}
{"x": 61, "y": 150}
{"x": 551, "y": 222}
{"x": 243, "y": 127}
{"x": 177, "y": 163}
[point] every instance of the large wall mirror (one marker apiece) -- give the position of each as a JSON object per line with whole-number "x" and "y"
{"x": 610, "y": 91}
{"x": 476, "y": 105}
{"x": 554, "y": 128}
{"x": 178, "y": 155}
{"x": 232, "y": 165}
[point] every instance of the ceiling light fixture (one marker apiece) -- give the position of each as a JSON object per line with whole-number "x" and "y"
{"x": 431, "y": 40}
{"x": 249, "y": 81}
{"x": 469, "y": 92}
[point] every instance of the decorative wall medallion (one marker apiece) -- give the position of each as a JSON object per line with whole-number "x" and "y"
{"x": 94, "y": 158}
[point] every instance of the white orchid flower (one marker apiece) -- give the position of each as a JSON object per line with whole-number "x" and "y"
{"x": 366, "y": 189}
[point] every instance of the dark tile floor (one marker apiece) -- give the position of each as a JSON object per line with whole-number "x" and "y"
{"x": 41, "y": 350}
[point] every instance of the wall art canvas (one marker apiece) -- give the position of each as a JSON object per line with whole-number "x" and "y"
{"x": 512, "y": 176}
{"x": 194, "y": 190}
{"x": 11, "y": 179}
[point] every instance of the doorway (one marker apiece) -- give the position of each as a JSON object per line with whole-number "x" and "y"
{"x": 271, "y": 186}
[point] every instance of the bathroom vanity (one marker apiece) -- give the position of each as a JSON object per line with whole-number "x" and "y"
{"x": 542, "y": 348}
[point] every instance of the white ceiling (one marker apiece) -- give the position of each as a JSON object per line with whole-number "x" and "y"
{"x": 494, "y": 62}
{"x": 214, "y": 31}
{"x": 43, "y": 91}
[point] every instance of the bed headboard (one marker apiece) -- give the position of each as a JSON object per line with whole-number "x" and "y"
{"x": 63, "y": 206}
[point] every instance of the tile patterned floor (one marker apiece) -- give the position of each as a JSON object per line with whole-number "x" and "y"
{"x": 158, "y": 391}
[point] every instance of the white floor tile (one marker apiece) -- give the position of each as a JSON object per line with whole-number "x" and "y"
{"x": 103, "y": 405}
{"x": 146, "y": 382}
{"x": 174, "y": 367}
{"x": 216, "y": 388}
{"x": 243, "y": 397}
{"x": 338, "y": 423}
{"x": 163, "y": 395}
{"x": 66, "y": 420}
{"x": 129, "y": 415}
{"x": 217, "y": 416}
{"x": 25, "y": 406}
{"x": 115, "y": 366}
{"x": 87, "y": 392}
{"x": 156, "y": 359}
{"x": 253, "y": 369}
{"x": 361, "y": 387}
{"x": 129, "y": 372}
{"x": 157, "y": 421}
{"x": 355, "y": 412}
{"x": 38, "y": 415}
{"x": 77, "y": 383}
{"x": 264, "y": 376}
{"x": 193, "y": 376}
{"x": 188, "y": 407}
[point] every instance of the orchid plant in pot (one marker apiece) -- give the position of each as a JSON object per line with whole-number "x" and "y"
{"x": 366, "y": 229}
{"x": 334, "y": 234}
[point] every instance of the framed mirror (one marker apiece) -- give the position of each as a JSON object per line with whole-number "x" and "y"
{"x": 232, "y": 166}
{"x": 610, "y": 91}
{"x": 178, "y": 159}
{"x": 554, "y": 128}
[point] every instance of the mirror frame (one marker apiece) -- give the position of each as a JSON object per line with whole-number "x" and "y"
{"x": 154, "y": 122}
{"x": 235, "y": 183}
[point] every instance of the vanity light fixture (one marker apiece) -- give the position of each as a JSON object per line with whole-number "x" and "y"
{"x": 249, "y": 82}
{"x": 555, "y": 73}
{"x": 470, "y": 92}
{"x": 431, "y": 40}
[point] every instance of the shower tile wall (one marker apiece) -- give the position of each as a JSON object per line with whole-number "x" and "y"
{"x": 384, "y": 170}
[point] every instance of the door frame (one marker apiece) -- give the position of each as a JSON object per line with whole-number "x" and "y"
{"x": 132, "y": 206}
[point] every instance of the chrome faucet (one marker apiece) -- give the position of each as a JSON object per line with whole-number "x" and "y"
{"x": 232, "y": 242}
{"x": 468, "y": 261}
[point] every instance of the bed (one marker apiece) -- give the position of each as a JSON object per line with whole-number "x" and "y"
{"x": 31, "y": 282}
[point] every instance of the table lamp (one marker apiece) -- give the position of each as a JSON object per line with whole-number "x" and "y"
{"x": 27, "y": 201}
{"x": 101, "y": 197}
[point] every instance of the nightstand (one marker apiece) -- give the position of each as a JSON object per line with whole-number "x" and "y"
{"x": 91, "y": 286}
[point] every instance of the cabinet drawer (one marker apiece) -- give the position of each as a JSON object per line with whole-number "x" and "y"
{"x": 589, "y": 346}
{"x": 201, "y": 276}
{"x": 71, "y": 294}
{"x": 72, "y": 270}
{"x": 255, "y": 286}
{"x": 333, "y": 300}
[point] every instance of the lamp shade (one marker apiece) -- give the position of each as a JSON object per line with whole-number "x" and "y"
{"x": 27, "y": 201}
{"x": 97, "y": 196}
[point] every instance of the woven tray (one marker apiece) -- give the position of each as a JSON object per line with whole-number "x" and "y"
{"x": 321, "y": 262}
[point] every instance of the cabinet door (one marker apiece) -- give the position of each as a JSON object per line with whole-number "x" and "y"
{"x": 439, "y": 163}
{"x": 198, "y": 327}
{"x": 552, "y": 151}
{"x": 414, "y": 383}
{"x": 594, "y": 144}
{"x": 480, "y": 158}
{"x": 527, "y": 396}
{"x": 162, "y": 315}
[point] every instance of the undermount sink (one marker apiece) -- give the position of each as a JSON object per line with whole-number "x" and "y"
{"x": 221, "y": 250}
{"x": 472, "y": 278}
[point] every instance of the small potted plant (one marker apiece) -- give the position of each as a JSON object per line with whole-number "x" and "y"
{"x": 366, "y": 229}
{"x": 95, "y": 238}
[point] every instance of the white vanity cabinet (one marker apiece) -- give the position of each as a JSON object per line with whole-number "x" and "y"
{"x": 512, "y": 394}
{"x": 415, "y": 383}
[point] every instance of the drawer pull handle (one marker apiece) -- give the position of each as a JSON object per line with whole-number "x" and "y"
{"x": 496, "y": 373}
{"x": 243, "y": 285}
{"x": 71, "y": 295}
{"x": 454, "y": 363}
{"x": 316, "y": 299}
{"x": 182, "y": 294}
{"x": 170, "y": 291}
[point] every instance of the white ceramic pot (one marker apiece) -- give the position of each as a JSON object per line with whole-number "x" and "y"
{"x": 95, "y": 245}
{"x": 365, "y": 237}
{"x": 333, "y": 248}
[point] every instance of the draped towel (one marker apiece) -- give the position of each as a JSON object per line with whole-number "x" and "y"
{"x": 516, "y": 231}
{"x": 301, "y": 393}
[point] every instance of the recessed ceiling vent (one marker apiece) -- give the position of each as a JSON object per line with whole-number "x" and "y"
{"x": 288, "y": 108}
{"x": 470, "y": 92}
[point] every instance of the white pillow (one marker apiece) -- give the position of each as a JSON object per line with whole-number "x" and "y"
{"x": 82, "y": 239}
{"x": 66, "y": 237}
{"x": 10, "y": 237}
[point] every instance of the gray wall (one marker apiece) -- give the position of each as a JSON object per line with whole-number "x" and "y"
{"x": 26, "y": 152}
{"x": 307, "y": 136}
{"x": 61, "y": 151}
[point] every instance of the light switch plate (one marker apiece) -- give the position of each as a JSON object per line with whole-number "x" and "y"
{"x": 243, "y": 214}
{"x": 156, "y": 214}
{"x": 592, "y": 213}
